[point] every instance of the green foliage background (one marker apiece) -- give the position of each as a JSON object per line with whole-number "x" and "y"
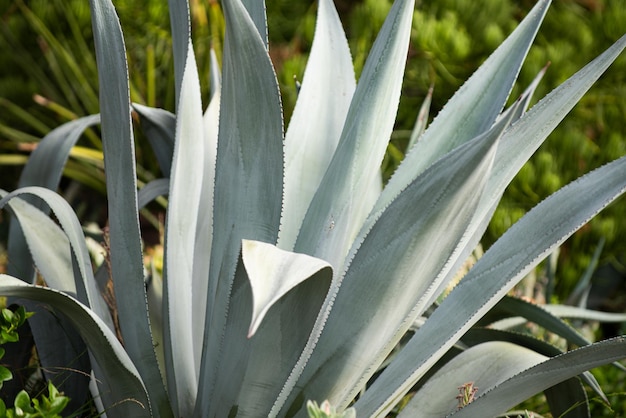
{"x": 46, "y": 50}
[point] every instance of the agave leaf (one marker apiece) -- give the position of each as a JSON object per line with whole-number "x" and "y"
{"x": 317, "y": 120}
{"x": 474, "y": 107}
{"x": 560, "y": 311}
{"x": 544, "y": 375}
{"x": 56, "y": 344}
{"x": 152, "y": 190}
{"x": 159, "y": 126}
{"x": 525, "y": 97}
{"x": 181, "y": 35}
{"x": 248, "y": 176}
{"x": 506, "y": 312}
{"x": 214, "y": 74}
{"x": 59, "y": 347}
{"x": 369, "y": 315}
{"x": 54, "y": 262}
{"x": 480, "y": 335}
{"x": 204, "y": 227}
{"x": 510, "y": 306}
{"x": 574, "y": 312}
{"x": 45, "y": 164}
{"x": 438, "y": 397}
{"x": 85, "y": 284}
{"x": 525, "y": 136}
{"x": 121, "y": 385}
{"x": 581, "y": 291}
{"x": 338, "y": 209}
{"x": 484, "y": 215}
{"x": 422, "y": 119}
{"x": 180, "y": 240}
{"x": 125, "y": 240}
{"x": 519, "y": 250}
{"x": 265, "y": 284}
{"x": 263, "y": 261}
{"x": 44, "y": 168}
{"x": 256, "y": 10}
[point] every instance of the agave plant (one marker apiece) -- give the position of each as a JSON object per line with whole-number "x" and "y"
{"x": 290, "y": 274}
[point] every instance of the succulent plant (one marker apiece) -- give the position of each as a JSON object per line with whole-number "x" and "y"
{"x": 290, "y": 273}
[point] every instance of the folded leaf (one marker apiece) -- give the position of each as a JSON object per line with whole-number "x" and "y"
{"x": 274, "y": 272}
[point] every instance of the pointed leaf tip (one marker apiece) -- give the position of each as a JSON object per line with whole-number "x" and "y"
{"x": 273, "y": 272}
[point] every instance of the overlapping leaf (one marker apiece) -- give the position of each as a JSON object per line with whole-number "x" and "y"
{"x": 520, "y": 249}
{"x": 317, "y": 120}
{"x": 121, "y": 386}
{"x": 338, "y": 208}
{"x": 125, "y": 238}
{"x": 248, "y": 177}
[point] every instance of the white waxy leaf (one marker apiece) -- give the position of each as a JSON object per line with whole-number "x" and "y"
{"x": 317, "y": 120}
{"x": 519, "y": 250}
{"x": 273, "y": 272}
{"x": 338, "y": 208}
{"x": 180, "y": 239}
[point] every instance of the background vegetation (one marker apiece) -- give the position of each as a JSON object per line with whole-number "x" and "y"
{"x": 49, "y": 76}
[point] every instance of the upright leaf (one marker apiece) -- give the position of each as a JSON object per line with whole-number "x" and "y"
{"x": 180, "y": 243}
{"x": 119, "y": 160}
{"x": 317, "y": 120}
{"x": 256, "y": 10}
{"x": 525, "y": 136}
{"x": 338, "y": 208}
{"x": 181, "y": 36}
{"x": 204, "y": 227}
{"x": 281, "y": 319}
{"x": 248, "y": 176}
{"x": 378, "y": 299}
